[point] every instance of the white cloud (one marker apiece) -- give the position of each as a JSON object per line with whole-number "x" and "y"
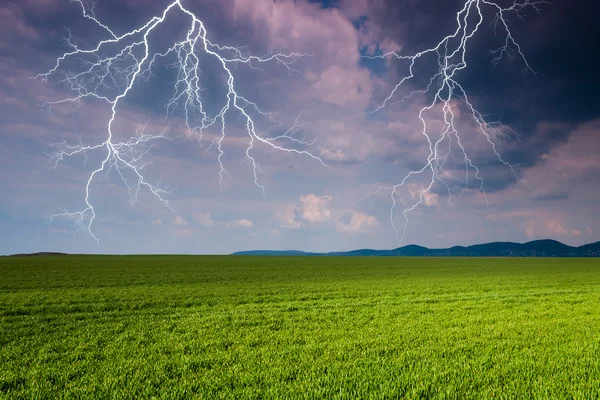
{"x": 180, "y": 222}
{"x": 287, "y": 217}
{"x": 540, "y": 223}
{"x": 240, "y": 223}
{"x": 203, "y": 220}
{"x": 356, "y": 222}
{"x": 180, "y": 227}
{"x": 313, "y": 208}
{"x": 429, "y": 199}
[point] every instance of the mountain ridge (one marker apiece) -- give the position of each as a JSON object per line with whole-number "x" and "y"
{"x": 536, "y": 248}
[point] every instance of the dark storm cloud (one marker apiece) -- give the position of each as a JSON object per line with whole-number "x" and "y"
{"x": 35, "y": 32}
{"x": 548, "y": 196}
{"x": 560, "y": 44}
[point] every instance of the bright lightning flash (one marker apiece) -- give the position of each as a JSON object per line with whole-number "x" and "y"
{"x": 121, "y": 61}
{"x": 445, "y": 89}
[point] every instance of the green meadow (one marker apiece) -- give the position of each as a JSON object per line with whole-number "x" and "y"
{"x": 224, "y": 327}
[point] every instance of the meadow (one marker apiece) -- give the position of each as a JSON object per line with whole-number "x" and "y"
{"x": 223, "y": 327}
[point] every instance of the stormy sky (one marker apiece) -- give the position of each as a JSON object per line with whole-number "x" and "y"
{"x": 550, "y": 130}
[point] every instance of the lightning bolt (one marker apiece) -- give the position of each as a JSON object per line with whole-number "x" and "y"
{"x": 121, "y": 61}
{"x": 444, "y": 88}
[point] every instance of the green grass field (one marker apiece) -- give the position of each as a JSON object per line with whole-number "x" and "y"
{"x": 336, "y": 328}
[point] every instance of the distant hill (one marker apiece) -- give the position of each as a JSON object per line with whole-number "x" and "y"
{"x": 41, "y": 253}
{"x": 537, "y": 248}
